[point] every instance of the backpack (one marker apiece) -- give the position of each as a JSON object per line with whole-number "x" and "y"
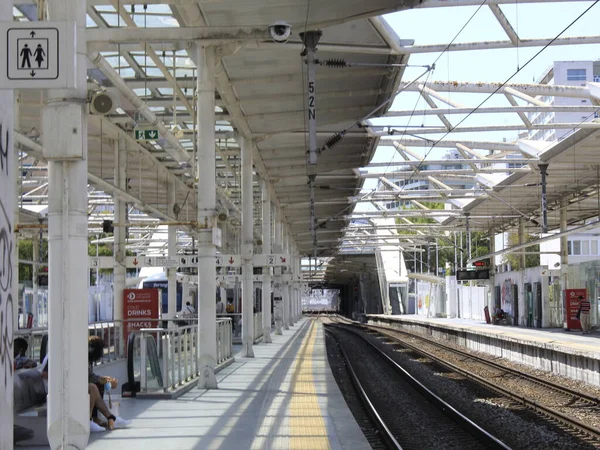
{"x": 229, "y": 308}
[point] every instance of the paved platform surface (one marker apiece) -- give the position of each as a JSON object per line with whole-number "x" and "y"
{"x": 283, "y": 398}
{"x": 555, "y": 337}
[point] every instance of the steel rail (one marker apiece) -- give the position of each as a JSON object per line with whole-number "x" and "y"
{"x": 539, "y": 408}
{"x": 462, "y": 420}
{"x": 386, "y": 434}
{"x": 565, "y": 390}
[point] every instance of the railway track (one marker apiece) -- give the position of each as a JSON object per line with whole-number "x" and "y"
{"x": 547, "y": 399}
{"x": 389, "y": 389}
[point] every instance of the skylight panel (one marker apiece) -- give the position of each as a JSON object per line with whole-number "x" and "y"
{"x": 183, "y": 72}
{"x": 143, "y": 61}
{"x": 152, "y": 21}
{"x": 142, "y": 92}
{"x": 153, "y": 72}
{"x": 113, "y": 20}
{"x": 89, "y": 22}
{"x": 165, "y": 91}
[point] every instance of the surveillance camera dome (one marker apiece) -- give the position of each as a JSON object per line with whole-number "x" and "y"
{"x": 280, "y": 31}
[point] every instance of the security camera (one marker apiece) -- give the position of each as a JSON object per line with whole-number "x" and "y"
{"x": 280, "y": 31}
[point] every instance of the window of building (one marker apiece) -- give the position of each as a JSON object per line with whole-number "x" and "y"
{"x": 576, "y": 74}
{"x": 594, "y": 247}
{"x": 585, "y": 247}
{"x": 576, "y": 247}
{"x": 569, "y": 248}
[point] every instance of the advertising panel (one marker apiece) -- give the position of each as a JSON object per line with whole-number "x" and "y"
{"x": 571, "y": 306}
{"x": 140, "y": 310}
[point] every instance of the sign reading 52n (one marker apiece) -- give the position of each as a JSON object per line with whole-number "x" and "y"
{"x": 37, "y": 55}
{"x": 312, "y": 114}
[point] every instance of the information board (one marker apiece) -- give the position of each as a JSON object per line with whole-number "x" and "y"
{"x": 140, "y": 310}
{"x": 571, "y": 306}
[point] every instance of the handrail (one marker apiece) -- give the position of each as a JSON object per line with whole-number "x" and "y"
{"x": 174, "y": 351}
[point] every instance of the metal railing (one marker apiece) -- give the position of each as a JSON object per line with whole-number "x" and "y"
{"x": 176, "y": 354}
{"x": 110, "y": 332}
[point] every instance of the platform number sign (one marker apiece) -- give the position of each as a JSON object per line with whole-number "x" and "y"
{"x": 271, "y": 260}
{"x": 312, "y": 113}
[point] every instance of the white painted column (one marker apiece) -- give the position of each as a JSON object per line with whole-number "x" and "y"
{"x": 172, "y": 250}
{"x": 8, "y": 278}
{"x": 247, "y": 249}
{"x": 266, "y": 284}
{"x": 120, "y": 240}
{"x": 286, "y": 285}
{"x": 65, "y": 132}
{"x": 277, "y": 280}
{"x": 35, "y": 272}
{"x": 207, "y": 203}
{"x": 17, "y": 107}
{"x": 300, "y": 290}
{"x": 297, "y": 284}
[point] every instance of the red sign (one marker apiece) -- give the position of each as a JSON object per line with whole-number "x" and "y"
{"x": 140, "y": 310}
{"x": 571, "y": 306}
{"x": 480, "y": 264}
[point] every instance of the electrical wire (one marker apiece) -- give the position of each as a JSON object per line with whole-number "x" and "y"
{"x": 499, "y": 87}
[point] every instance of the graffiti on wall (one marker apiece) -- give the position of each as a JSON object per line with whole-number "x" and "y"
{"x": 8, "y": 278}
{"x": 507, "y": 300}
{"x": 6, "y": 266}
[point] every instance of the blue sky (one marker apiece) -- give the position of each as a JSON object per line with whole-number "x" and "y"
{"x": 440, "y": 25}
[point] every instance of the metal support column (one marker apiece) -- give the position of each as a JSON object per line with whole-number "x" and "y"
{"x": 247, "y": 249}
{"x": 35, "y": 272}
{"x": 564, "y": 254}
{"x": 120, "y": 239}
{"x": 266, "y": 284}
{"x": 522, "y": 255}
{"x": 172, "y": 251}
{"x": 65, "y": 134}
{"x": 543, "y": 171}
{"x": 311, "y": 39}
{"x": 468, "y": 230}
{"x": 207, "y": 204}
{"x": 286, "y": 285}
{"x": 277, "y": 279}
{"x": 8, "y": 278}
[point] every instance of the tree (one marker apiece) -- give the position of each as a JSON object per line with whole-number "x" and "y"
{"x": 25, "y": 249}
{"x": 515, "y": 260}
{"x": 480, "y": 243}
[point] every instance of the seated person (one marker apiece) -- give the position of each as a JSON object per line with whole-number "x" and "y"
{"x": 22, "y": 361}
{"x": 500, "y": 316}
{"x": 97, "y": 385}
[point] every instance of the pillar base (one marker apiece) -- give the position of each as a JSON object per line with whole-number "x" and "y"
{"x": 247, "y": 351}
{"x": 77, "y": 435}
{"x": 267, "y": 335}
{"x": 207, "y": 378}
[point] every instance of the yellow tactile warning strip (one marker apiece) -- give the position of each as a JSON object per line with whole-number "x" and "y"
{"x": 306, "y": 424}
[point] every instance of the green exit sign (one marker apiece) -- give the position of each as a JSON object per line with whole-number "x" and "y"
{"x": 146, "y": 135}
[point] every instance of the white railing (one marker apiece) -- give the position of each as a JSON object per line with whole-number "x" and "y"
{"x": 177, "y": 350}
{"x": 224, "y": 340}
{"x": 110, "y": 332}
{"x": 258, "y": 325}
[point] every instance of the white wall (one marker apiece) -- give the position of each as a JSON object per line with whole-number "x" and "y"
{"x": 471, "y": 301}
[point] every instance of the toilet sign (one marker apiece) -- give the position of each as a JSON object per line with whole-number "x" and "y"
{"x": 37, "y": 55}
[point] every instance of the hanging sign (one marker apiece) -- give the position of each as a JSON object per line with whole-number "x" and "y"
{"x": 37, "y": 55}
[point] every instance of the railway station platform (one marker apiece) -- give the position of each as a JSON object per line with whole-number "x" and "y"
{"x": 555, "y": 350}
{"x": 283, "y": 398}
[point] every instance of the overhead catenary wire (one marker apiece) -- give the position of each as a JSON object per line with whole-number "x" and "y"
{"x": 501, "y": 86}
